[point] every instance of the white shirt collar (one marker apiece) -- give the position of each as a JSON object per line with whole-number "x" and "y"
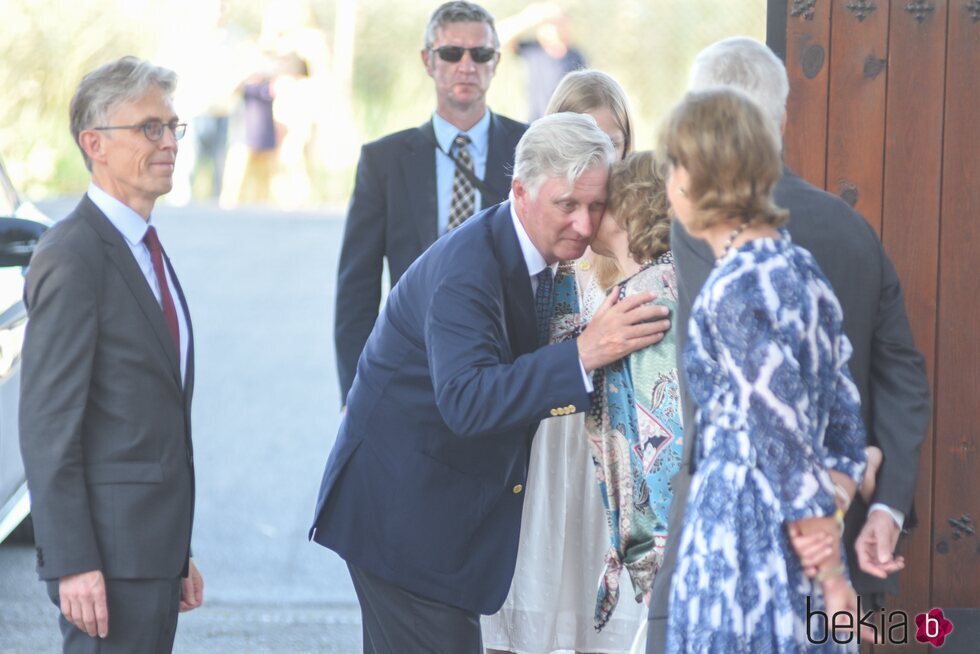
{"x": 129, "y": 223}
{"x": 535, "y": 262}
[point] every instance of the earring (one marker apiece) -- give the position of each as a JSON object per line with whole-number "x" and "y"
{"x": 682, "y": 191}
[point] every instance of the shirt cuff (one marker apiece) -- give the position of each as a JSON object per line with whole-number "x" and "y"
{"x": 586, "y": 377}
{"x": 896, "y": 515}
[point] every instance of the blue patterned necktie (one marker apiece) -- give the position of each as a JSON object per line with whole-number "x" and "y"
{"x": 544, "y": 302}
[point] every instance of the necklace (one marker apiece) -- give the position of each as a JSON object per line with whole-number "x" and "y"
{"x": 731, "y": 240}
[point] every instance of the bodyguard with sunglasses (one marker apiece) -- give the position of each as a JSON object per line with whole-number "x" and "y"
{"x": 107, "y": 378}
{"x": 415, "y": 185}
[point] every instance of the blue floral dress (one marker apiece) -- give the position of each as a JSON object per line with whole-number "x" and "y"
{"x": 766, "y": 363}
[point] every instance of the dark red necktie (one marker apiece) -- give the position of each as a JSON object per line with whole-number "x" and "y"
{"x": 166, "y": 300}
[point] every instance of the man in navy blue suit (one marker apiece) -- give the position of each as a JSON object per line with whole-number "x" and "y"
{"x": 423, "y": 491}
{"x": 411, "y": 186}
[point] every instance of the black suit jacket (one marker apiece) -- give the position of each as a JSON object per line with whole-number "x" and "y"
{"x": 105, "y": 422}
{"x": 887, "y": 368}
{"x": 392, "y": 216}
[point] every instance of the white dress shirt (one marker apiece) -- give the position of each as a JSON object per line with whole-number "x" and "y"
{"x": 535, "y": 264}
{"x": 132, "y": 227}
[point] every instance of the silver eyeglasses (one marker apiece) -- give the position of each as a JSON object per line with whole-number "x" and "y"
{"x": 152, "y": 129}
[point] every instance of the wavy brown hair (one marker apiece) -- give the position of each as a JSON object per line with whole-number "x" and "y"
{"x": 638, "y": 203}
{"x": 730, "y": 149}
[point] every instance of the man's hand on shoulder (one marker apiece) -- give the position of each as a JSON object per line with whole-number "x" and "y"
{"x": 83, "y": 602}
{"x": 621, "y": 327}
{"x": 191, "y": 589}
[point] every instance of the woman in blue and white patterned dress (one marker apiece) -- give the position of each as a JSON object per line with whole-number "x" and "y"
{"x": 777, "y": 409}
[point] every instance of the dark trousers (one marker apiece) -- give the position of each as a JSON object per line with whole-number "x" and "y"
{"x": 142, "y": 618}
{"x": 396, "y": 621}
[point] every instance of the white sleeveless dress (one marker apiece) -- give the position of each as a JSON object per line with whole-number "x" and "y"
{"x": 564, "y": 539}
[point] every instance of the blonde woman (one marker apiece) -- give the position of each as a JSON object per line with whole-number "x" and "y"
{"x": 564, "y": 536}
{"x": 777, "y": 410}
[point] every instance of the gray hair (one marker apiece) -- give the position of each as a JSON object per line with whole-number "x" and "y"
{"x": 747, "y": 65}
{"x": 102, "y": 90}
{"x": 560, "y": 145}
{"x": 458, "y": 12}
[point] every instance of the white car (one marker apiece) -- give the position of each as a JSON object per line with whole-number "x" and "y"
{"x": 21, "y": 224}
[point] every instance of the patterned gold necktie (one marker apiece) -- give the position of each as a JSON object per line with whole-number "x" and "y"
{"x": 463, "y": 202}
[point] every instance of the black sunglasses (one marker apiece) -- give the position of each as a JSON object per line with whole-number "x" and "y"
{"x": 453, "y": 53}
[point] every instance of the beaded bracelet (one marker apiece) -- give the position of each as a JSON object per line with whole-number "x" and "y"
{"x": 839, "y": 517}
{"x": 842, "y": 495}
{"x": 829, "y": 573}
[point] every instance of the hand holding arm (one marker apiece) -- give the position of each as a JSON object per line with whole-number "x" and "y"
{"x": 838, "y": 593}
{"x": 815, "y": 548}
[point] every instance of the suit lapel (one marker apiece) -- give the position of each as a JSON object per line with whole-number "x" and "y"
{"x": 419, "y": 172}
{"x": 119, "y": 253}
{"x": 496, "y": 176}
{"x": 521, "y": 320}
{"x": 189, "y": 376}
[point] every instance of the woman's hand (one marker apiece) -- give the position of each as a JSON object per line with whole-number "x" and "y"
{"x": 839, "y": 597}
{"x": 815, "y": 550}
{"x": 816, "y": 542}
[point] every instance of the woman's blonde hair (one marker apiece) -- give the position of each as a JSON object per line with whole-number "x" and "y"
{"x": 585, "y": 91}
{"x": 730, "y": 150}
{"x": 637, "y": 202}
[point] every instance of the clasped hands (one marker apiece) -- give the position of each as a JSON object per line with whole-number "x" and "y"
{"x": 621, "y": 327}
{"x": 817, "y": 543}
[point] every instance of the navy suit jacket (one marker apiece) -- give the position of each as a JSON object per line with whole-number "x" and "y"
{"x": 392, "y": 215}
{"x": 424, "y": 486}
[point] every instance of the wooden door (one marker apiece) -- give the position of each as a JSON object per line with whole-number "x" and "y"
{"x": 882, "y": 111}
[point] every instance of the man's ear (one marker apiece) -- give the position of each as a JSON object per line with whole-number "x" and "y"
{"x": 426, "y": 57}
{"x": 520, "y": 193}
{"x": 92, "y": 142}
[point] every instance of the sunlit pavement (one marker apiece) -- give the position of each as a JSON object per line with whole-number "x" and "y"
{"x": 260, "y": 285}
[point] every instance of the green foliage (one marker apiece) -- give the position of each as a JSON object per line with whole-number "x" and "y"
{"x": 48, "y": 45}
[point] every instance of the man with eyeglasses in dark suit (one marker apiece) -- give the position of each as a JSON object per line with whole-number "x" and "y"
{"x": 415, "y": 185}
{"x": 106, "y": 382}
